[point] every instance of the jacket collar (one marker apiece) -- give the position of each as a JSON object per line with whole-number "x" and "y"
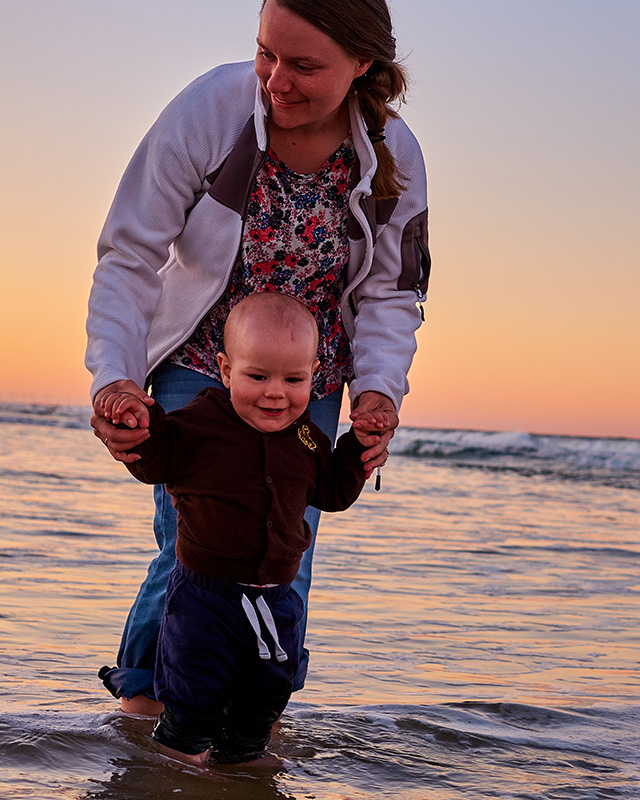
{"x": 362, "y": 143}
{"x": 260, "y": 118}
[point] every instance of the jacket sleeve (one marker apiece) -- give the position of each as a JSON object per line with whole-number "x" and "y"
{"x": 156, "y": 459}
{"x": 341, "y": 477}
{"x": 164, "y": 179}
{"x": 386, "y": 301}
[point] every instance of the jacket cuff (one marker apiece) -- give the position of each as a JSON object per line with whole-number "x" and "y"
{"x": 350, "y": 446}
{"x": 378, "y": 384}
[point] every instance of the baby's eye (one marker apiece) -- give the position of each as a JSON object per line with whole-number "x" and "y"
{"x": 257, "y": 377}
{"x": 293, "y": 380}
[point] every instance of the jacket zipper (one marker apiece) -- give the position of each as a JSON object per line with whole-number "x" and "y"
{"x": 420, "y": 295}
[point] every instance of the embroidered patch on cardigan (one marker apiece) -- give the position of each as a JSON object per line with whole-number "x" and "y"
{"x": 305, "y": 437}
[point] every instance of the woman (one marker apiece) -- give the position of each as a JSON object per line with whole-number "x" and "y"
{"x": 289, "y": 174}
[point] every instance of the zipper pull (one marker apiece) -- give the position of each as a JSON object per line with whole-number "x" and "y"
{"x": 421, "y": 298}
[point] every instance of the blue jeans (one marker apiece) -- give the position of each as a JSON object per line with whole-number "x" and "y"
{"x": 174, "y": 386}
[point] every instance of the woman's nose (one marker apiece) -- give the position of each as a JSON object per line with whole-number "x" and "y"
{"x": 279, "y": 81}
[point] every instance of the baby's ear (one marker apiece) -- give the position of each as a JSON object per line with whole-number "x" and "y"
{"x": 225, "y": 369}
{"x": 315, "y": 366}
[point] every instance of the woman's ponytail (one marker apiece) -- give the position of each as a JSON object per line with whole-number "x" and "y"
{"x": 382, "y": 84}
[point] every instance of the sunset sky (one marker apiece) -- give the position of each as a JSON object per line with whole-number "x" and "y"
{"x": 528, "y": 113}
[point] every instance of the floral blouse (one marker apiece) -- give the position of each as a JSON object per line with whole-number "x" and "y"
{"x": 294, "y": 241}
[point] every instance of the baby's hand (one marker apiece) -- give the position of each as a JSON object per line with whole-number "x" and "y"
{"x": 124, "y": 407}
{"x": 369, "y": 426}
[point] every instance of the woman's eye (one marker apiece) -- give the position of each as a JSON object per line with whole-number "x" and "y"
{"x": 265, "y": 54}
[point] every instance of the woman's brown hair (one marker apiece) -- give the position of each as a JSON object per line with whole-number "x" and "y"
{"x": 363, "y": 28}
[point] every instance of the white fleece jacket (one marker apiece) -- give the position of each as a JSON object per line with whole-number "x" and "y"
{"x": 173, "y": 233}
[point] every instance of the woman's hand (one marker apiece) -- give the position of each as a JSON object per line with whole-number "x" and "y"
{"x": 118, "y": 440}
{"x": 369, "y": 406}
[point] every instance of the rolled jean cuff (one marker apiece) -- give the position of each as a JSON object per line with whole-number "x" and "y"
{"x": 301, "y": 675}
{"x": 128, "y": 682}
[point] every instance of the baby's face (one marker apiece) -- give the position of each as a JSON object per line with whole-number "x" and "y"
{"x": 269, "y": 378}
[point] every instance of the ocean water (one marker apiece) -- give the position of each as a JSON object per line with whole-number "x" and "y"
{"x": 474, "y": 626}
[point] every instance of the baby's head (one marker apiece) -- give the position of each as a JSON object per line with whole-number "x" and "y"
{"x": 270, "y": 342}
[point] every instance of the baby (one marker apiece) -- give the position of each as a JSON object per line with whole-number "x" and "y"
{"x": 241, "y": 467}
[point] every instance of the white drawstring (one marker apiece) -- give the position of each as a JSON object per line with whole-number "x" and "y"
{"x": 267, "y": 616}
{"x": 250, "y": 611}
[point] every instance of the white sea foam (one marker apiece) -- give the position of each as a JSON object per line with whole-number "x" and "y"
{"x": 486, "y": 446}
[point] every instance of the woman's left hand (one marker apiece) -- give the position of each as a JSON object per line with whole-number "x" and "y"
{"x": 374, "y": 402}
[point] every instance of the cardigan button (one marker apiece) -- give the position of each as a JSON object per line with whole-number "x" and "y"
{"x": 269, "y": 523}
{"x": 269, "y": 479}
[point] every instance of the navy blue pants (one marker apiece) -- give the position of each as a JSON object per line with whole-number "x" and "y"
{"x": 222, "y": 674}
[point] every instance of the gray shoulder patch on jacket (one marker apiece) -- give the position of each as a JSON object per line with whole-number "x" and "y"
{"x": 232, "y": 182}
{"x": 377, "y": 212}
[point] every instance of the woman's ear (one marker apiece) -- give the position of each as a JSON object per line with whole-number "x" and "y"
{"x": 362, "y": 66}
{"x": 225, "y": 369}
